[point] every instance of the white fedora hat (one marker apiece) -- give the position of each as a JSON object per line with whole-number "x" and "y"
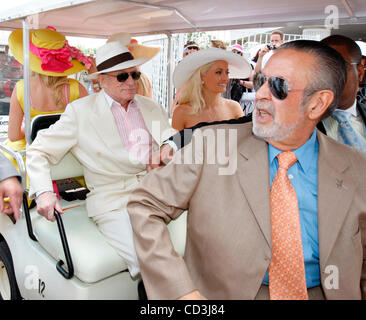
{"x": 114, "y": 56}
{"x": 239, "y": 67}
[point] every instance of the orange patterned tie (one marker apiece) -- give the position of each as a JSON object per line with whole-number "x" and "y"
{"x": 287, "y": 269}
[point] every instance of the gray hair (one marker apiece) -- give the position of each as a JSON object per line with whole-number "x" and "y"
{"x": 329, "y": 73}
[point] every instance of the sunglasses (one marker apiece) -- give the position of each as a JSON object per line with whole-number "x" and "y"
{"x": 122, "y": 77}
{"x": 278, "y": 86}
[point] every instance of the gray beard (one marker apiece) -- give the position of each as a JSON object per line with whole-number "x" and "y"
{"x": 277, "y": 132}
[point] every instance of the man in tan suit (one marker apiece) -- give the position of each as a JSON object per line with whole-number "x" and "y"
{"x": 230, "y": 248}
{"x": 112, "y": 134}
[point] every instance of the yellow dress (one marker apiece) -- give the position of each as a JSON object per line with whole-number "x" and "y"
{"x": 21, "y": 144}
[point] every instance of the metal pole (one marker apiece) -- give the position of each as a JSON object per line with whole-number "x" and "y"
{"x": 26, "y": 74}
{"x": 170, "y": 72}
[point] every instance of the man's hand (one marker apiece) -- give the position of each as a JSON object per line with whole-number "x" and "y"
{"x": 194, "y": 295}
{"x": 263, "y": 51}
{"x": 12, "y": 189}
{"x": 161, "y": 157}
{"x": 46, "y": 204}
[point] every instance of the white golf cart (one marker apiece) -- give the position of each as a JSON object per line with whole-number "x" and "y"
{"x": 70, "y": 259}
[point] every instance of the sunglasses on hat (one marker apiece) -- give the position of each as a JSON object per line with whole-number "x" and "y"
{"x": 278, "y": 86}
{"x": 122, "y": 77}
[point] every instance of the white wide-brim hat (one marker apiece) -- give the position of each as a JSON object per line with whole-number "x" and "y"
{"x": 114, "y": 56}
{"x": 239, "y": 67}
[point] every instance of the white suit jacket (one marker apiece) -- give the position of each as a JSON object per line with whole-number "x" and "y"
{"x": 87, "y": 128}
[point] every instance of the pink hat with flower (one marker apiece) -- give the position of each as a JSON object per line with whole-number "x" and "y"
{"x": 50, "y": 53}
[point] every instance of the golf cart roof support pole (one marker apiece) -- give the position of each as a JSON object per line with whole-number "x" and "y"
{"x": 170, "y": 72}
{"x": 26, "y": 74}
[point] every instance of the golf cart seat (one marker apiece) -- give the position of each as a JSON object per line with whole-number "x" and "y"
{"x": 93, "y": 259}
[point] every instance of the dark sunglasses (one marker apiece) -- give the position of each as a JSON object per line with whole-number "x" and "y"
{"x": 122, "y": 77}
{"x": 278, "y": 86}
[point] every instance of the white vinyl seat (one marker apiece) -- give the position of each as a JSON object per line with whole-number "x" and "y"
{"x": 93, "y": 258}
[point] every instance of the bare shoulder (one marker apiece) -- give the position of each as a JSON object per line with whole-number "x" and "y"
{"x": 180, "y": 115}
{"x": 234, "y": 107}
{"x": 182, "y": 110}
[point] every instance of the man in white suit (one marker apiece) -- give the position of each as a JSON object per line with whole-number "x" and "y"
{"x": 112, "y": 133}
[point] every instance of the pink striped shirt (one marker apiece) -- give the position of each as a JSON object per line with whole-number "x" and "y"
{"x": 131, "y": 126}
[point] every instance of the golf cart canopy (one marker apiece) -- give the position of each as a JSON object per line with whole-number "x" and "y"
{"x": 101, "y": 18}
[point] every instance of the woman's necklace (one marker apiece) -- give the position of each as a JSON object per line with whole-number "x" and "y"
{"x": 210, "y": 116}
{"x": 212, "y": 113}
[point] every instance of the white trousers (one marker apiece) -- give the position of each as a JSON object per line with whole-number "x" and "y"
{"x": 117, "y": 230}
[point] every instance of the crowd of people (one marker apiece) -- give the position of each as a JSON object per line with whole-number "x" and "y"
{"x": 294, "y": 204}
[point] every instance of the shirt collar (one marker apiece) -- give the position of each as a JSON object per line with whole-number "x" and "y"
{"x": 353, "y": 109}
{"x": 306, "y": 154}
{"x": 110, "y": 100}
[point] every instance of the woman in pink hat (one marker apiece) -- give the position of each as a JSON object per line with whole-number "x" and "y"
{"x": 51, "y": 61}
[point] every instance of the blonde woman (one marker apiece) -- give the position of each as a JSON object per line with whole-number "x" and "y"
{"x": 144, "y": 86}
{"x": 51, "y": 61}
{"x": 202, "y": 78}
{"x": 48, "y": 95}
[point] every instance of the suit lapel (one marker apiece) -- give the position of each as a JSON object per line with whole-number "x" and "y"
{"x": 253, "y": 175}
{"x": 335, "y": 193}
{"x": 103, "y": 122}
{"x": 146, "y": 110}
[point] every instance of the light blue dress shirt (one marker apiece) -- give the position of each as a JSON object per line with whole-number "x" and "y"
{"x": 304, "y": 177}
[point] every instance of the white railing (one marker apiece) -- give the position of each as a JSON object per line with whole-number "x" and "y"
{"x": 157, "y": 68}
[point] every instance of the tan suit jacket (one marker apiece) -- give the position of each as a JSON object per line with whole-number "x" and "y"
{"x": 87, "y": 128}
{"x": 228, "y": 248}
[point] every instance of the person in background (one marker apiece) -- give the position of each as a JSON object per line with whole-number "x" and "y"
{"x": 202, "y": 77}
{"x": 361, "y": 95}
{"x": 189, "y": 48}
{"x": 218, "y": 44}
{"x": 267, "y": 51}
{"x": 347, "y": 123}
{"x": 237, "y": 87}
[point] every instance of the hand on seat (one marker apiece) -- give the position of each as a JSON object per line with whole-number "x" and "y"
{"x": 46, "y": 204}
{"x": 160, "y": 158}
